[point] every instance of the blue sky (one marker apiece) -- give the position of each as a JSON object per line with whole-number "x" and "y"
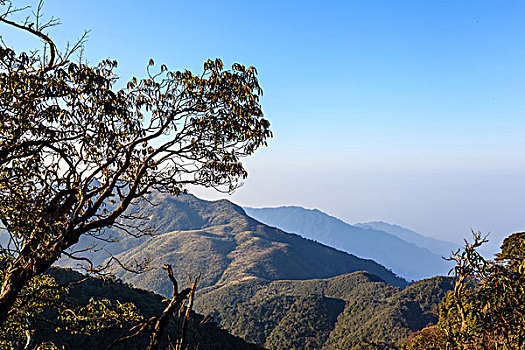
{"x": 412, "y": 112}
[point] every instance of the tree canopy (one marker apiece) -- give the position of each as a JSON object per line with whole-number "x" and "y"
{"x": 78, "y": 155}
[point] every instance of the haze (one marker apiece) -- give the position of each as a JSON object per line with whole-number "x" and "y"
{"x": 409, "y": 112}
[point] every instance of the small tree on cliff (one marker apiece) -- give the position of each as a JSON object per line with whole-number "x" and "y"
{"x": 486, "y": 309}
{"x": 76, "y": 154}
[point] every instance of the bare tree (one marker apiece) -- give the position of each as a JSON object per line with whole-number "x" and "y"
{"x": 469, "y": 263}
{"x": 157, "y": 324}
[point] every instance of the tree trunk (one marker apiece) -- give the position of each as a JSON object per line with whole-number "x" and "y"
{"x": 16, "y": 276}
{"x": 19, "y": 272}
{"x": 162, "y": 321}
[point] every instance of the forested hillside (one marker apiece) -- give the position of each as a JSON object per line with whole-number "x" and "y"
{"x": 343, "y": 312}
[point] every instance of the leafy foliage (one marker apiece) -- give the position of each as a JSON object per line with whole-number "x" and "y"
{"x": 98, "y": 315}
{"x": 97, "y": 324}
{"x": 78, "y": 155}
{"x": 40, "y": 293}
{"x": 43, "y": 301}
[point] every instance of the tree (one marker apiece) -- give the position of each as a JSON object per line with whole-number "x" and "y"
{"x": 78, "y": 155}
{"x": 486, "y": 310}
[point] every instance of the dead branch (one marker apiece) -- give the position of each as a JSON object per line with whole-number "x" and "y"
{"x": 157, "y": 324}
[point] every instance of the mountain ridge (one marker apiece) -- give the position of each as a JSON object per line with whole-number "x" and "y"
{"x": 218, "y": 239}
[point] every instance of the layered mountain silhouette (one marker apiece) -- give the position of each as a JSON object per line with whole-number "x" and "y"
{"x": 405, "y": 258}
{"x": 436, "y": 246}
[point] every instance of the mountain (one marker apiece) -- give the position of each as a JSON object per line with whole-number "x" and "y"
{"x": 342, "y": 312}
{"x": 220, "y": 242}
{"x": 436, "y": 246}
{"x": 404, "y": 258}
{"x": 276, "y": 289}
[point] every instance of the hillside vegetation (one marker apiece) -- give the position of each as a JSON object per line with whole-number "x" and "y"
{"x": 276, "y": 289}
{"x": 49, "y": 326}
{"x": 342, "y": 312}
{"x": 486, "y": 309}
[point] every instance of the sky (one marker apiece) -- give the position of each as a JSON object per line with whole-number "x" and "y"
{"x": 410, "y": 112}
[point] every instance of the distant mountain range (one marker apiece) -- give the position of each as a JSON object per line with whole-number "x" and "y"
{"x": 407, "y": 253}
{"x": 436, "y": 246}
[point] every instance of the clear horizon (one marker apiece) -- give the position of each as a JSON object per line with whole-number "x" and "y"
{"x": 410, "y": 113}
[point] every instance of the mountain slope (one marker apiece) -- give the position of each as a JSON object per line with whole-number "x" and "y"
{"x": 201, "y": 335}
{"x": 218, "y": 240}
{"x": 436, "y": 246}
{"x": 404, "y": 258}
